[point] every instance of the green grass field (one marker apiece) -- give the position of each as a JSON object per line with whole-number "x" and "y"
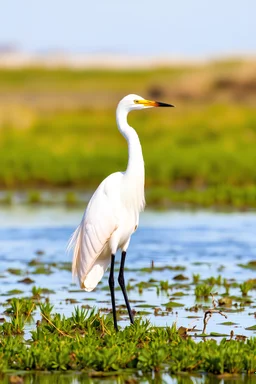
{"x": 57, "y": 129}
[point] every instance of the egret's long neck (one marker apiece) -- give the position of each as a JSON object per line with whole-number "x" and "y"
{"x": 135, "y": 165}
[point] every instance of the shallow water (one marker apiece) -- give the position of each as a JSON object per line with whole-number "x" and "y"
{"x": 206, "y": 243}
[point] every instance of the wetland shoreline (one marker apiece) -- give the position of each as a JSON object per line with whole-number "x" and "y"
{"x": 195, "y": 254}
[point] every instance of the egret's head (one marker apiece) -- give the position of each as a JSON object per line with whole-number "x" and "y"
{"x": 132, "y": 102}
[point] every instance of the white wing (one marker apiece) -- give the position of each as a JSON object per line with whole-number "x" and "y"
{"x": 90, "y": 239}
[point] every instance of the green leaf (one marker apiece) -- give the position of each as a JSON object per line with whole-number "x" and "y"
{"x": 173, "y": 304}
{"x": 252, "y": 328}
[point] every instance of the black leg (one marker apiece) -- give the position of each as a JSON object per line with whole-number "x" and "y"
{"x": 122, "y": 285}
{"x": 111, "y": 282}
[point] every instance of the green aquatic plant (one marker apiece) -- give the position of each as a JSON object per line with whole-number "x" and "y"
{"x": 87, "y": 341}
{"x": 164, "y": 285}
{"x": 14, "y": 327}
{"x": 42, "y": 270}
{"x": 173, "y": 304}
{"x": 250, "y": 265}
{"x": 245, "y": 287}
{"x": 203, "y": 290}
{"x": 80, "y": 316}
{"x": 46, "y": 309}
{"x": 13, "y": 292}
{"x": 144, "y": 285}
{"x": 196, "y": 278}
{"x": 226, "y": 285}
{"x": 214, "y": 280}
{"x": 20, "y": 307}
{"x": 36, "y": 292}
{"x": 14, "y": 271}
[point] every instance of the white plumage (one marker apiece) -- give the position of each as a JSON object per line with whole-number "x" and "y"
{"x": 106, "y": 226}
{"x": 112, "y": 214}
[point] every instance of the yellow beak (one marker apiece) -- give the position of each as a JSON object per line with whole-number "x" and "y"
{"x": 150, "y": 103}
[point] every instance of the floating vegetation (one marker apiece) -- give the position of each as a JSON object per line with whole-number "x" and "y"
{"x": 26, "y": 280}
{"x": 87, "y": 341}
{"x": 173, "y": 304}
{"x": 250, "y": 265}
{"x": 13, "y": 292}
{"x": 15, "y": 271}
{"x": 228, "y": 323}
{"x": 179, "y": 294}
{"x": 180, "y": 277}
{"x": 42, "y": 270}
{"x": 252, "y": 328}
{"x": 145, "y": 305}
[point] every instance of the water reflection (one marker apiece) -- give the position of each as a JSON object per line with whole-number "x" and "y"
{"x": 122, "y": 378}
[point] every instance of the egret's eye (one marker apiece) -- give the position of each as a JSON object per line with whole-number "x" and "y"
{"x": 136, "y": 101}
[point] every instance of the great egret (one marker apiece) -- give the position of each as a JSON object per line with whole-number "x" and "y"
{"x": 112, "y": 214}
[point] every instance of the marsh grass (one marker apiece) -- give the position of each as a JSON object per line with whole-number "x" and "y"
{"x": 87, "y": 341}
{"x": 201, "y": 153}
{"x": 246, "y": 286}
{"x": 203, "y": 290}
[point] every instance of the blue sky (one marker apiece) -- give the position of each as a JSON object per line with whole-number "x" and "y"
{"x": 181, "y": 27}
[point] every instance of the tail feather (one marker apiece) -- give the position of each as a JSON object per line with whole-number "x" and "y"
{"x": 74, "y": 243}
{"x": 91, "y": 279}
{"x": 95, "y": 275}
